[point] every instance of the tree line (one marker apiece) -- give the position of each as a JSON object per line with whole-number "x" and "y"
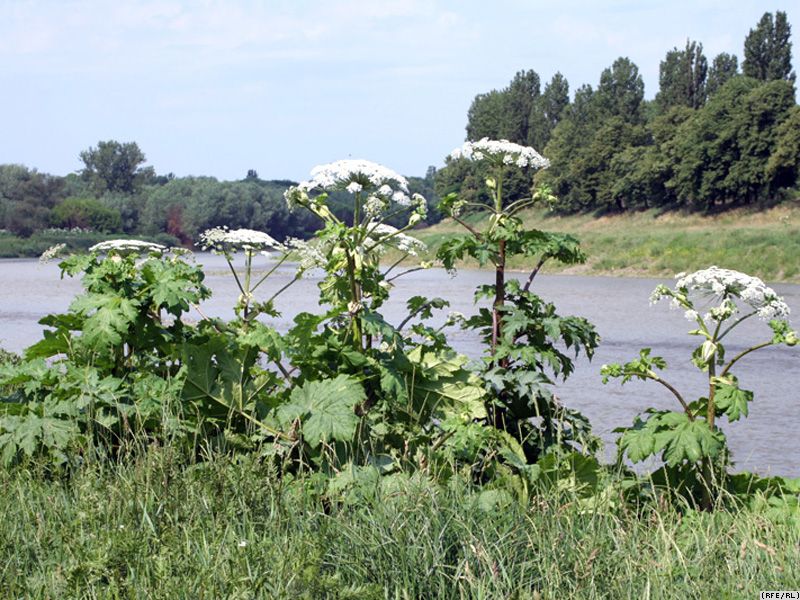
{"x": 116, "y": 192}
{"x": 714, "y": 136}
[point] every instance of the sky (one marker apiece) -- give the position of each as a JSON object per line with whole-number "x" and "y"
{"x": 216, "y": 88}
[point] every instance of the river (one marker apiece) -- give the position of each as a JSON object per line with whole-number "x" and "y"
{"x": 767, "y": 441}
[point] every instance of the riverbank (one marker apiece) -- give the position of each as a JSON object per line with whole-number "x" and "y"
{"x": 764, "y": 243}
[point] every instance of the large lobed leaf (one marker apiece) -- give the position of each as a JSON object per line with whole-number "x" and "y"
{"x": 325, "y": 409}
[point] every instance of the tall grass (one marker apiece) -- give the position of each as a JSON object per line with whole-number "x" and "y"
{"x": 229, "y": 528}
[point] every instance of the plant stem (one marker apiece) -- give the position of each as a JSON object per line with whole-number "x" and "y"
{"x": 500, "y": 267}
{"x": 534, "y": 273}
{"x": 270, "y": 272}
{"x": 248, "y": 268}
{"x": 741, "y": 355}
{"x": 674, "y": 391}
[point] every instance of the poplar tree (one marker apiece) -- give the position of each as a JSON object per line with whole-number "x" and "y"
{"x": 682, "y": 77}
{"x": 768, "y": 49}
{"x": 722, "y": 69}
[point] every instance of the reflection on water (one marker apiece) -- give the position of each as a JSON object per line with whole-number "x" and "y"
{"x": 767, "y": 441}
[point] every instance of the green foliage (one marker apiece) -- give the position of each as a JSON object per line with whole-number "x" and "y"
{"x": 160, "y": 527}
{"x": 703, "y": 144}
{"x": 724, "y": 67}
{"x": 682, "y": 77}
{"x": 768, "y": 49}
{"x": 86, "y": 213}
{"x": 324, "y": 409}
{"x": 26, "y": 199}
{"x": 725, "y": 157}
{"x": 115, "y": 167}
{"x": 109, "y": 366}
{"x": 621, "y": 91}
{"x": 525, "y": 338}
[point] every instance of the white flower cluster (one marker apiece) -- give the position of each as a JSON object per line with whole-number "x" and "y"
{"x": 383, "y": 236}
{"x": 51, "y": 253}
{"x": 124, "y": 246}
{"x": 501, "y": 152}
{"x": 354, "y": 176}
{"x": 222, "y": 239}
{"x": 308, "y": 256}
{"x": 726, "y": 284}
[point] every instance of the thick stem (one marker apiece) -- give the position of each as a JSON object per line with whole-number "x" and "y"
{"x": 355, "y": 301}
{"x": 499, "y": 295}
{"x": 248, "y": 268}
{"x": 500, "y": 271}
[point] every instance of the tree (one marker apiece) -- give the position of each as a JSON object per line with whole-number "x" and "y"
{"x": 682, "y": 77}
{"x": 723, "y": 152}
{"x": 486, "y": 115}
{"x": 783, "y": 167}
{"x": 521, "y": 97}
{"x": 86, "y": 213}
{"x": 115, "y": 167}
{"x": 722, "y": 69}
{"x": 555, "y": 99}
{"x": 621, "y": 91}
{"x": 546, "y": 111}
{"x": 768, "y": 49}
{"x": 26, "y": 199}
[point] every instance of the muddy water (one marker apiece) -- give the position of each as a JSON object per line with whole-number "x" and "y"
{"x": 768, "y": 441}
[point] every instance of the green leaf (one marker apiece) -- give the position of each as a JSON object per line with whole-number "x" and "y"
{"x": 690, "y": 441}
{"x": 326, "y": 409}
{"x": 639, "y": 442}
{"x": 109, "y": 317}
{"x": 440, "y": 379}
{"x": 730, "y": 398}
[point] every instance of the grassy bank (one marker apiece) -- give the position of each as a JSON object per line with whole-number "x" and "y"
{"x": 228, "y": 529}
{"x": 12, "y": 246}
{"x": 766, "y": 243}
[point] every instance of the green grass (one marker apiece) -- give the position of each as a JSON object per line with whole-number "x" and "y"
{"x": 154, "y": 528}
{"x": 765, "y": 243}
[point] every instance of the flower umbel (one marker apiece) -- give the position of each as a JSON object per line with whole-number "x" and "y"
{"x": 726, "y": 286}
{"x": 383, "y": 236}
{"x": 126, "y": 246}
{"x": 354, "y": 176}
{"x": 501, "y": 152}
{"x": 51, "y": 253}
{"x": 222, "y": 240}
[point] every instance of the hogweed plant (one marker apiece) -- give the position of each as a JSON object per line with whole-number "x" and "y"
{"x": 350, "y": 253}
{"x": 110, "y": 367}
{"x": 525, "y": 337}
{"x": 690, "y": 441}
{"x": 398, "y": 387}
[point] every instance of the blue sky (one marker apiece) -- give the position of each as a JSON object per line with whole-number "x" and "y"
{"x": 217, "y": 88}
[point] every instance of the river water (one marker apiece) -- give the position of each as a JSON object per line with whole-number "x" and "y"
{"x": 768, "y": 441}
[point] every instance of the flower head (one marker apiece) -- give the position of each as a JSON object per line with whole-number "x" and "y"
{"x": 222, "y": 240}
{"x": 309, "y": 255}
{"x": 127, "y": 246}
{"x": 726, "y": 286}
{"x": 383, "y": 236}
{"x": 354, "y": 176}
{"x": 501, "y": 152}
{"x": 51, "y": 253}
